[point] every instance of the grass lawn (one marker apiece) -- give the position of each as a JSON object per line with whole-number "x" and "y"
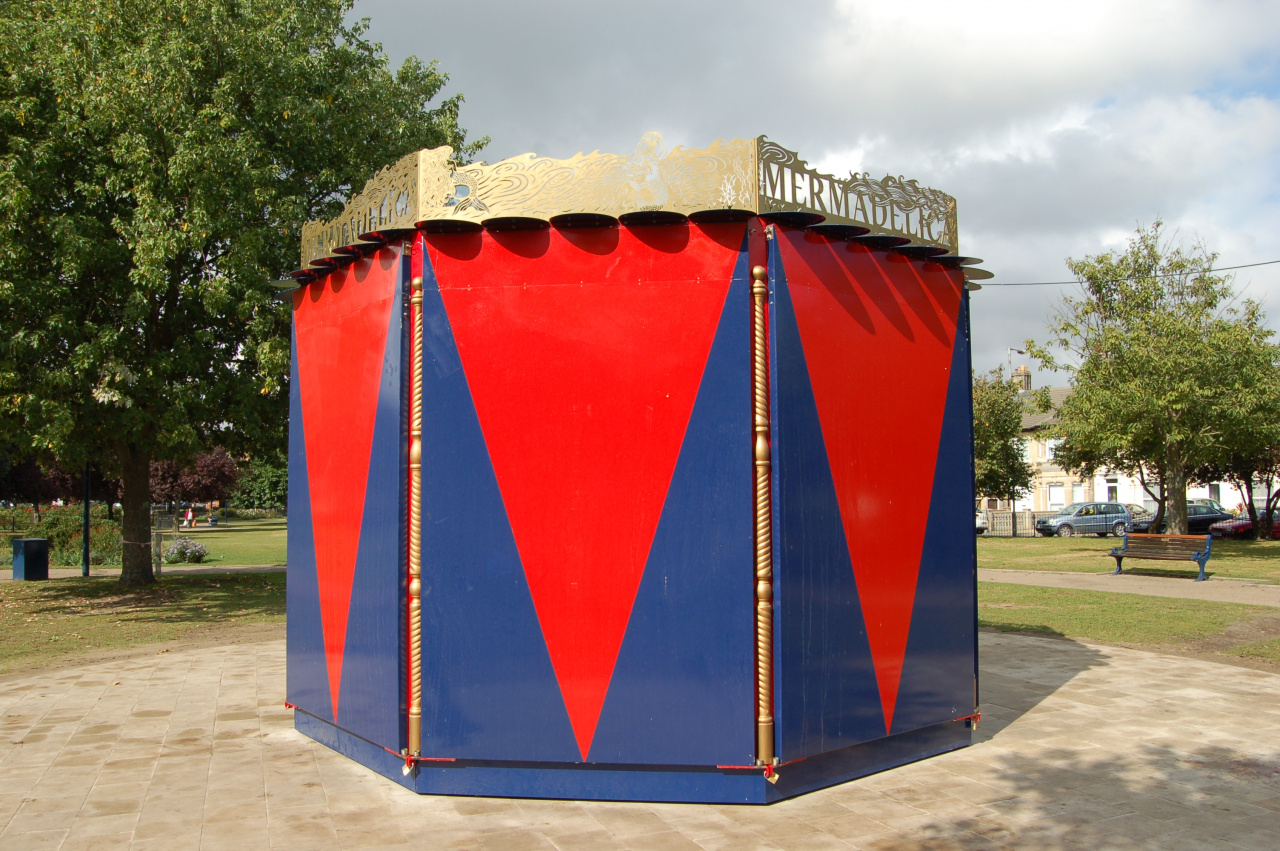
{"x": 1231, "y": 559}
{"x": 253, "y": 542}
{"x": 43, "y": 621}
{"x": 1132, "y": 619}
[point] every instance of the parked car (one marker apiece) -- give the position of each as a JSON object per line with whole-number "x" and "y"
{"x": 1199, "y": 519}
{"x": 1240, "y": 527}
{"x": 1083, "y": 518}
{"x": 1212, "y": 503}
{"x": 979, "y": 522}
{"x": 1136, "y": 511}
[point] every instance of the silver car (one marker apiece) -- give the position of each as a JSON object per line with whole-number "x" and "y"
{"x": 1084, "y": 518}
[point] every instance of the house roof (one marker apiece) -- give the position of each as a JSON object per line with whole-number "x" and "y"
{"x": 1033, "y": 419}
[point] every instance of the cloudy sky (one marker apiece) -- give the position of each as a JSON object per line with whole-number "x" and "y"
{"x": 1058, "y": 127}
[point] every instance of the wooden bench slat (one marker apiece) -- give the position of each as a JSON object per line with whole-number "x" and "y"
{"x": 1194, "y": 548}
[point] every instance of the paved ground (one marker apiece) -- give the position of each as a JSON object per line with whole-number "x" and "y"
{"x": 1080, "y": 747}
{"x": 1215, "y": 588}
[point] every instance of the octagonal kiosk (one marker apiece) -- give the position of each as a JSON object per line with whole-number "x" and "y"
{"x": 643, "y": 476}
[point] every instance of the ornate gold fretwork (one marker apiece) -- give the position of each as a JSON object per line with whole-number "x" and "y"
{"x": 750, "y": 175}
{"x": 415, "y": 523}
{"x": 764, "y": 516}
{"x": 389, "y": 201}
{"x": 894, "y": 205}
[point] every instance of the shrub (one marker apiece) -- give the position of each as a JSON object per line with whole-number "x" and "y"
{"x": 184, "y": 549}
{"x": 63, "y": 527}
{"x": 254, "y": 513}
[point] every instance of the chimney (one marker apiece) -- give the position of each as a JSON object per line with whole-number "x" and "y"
{"x": 1022, "y": 378}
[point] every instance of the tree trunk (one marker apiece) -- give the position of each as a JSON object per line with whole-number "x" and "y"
{"x": 1269, "y": 516}
{"x": 135, "y": 466}
{"x": 1157, "y": 495}
{"x": 1175, "y": 495}
{"x": 1247, "y": 493}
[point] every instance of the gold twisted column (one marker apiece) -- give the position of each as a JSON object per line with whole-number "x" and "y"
{"x": 415, "y": 524}
{"x": 764, "y": 517}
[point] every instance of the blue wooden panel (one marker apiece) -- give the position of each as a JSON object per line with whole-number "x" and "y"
{"x": 489, "y": 691}
{"x": 655, "y": 783}
{"x": 372, "y": 700}
{"x": 939, "y": 673}
{"x": 306, "y": 677}
{"x": 683, "y": 688}
{"x": 825, "y": 691}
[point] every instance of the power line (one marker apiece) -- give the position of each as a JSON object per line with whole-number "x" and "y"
{"x": 1134, "y": 278}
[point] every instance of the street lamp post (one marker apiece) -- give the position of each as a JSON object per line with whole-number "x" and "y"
{"x": 84, "y": 548}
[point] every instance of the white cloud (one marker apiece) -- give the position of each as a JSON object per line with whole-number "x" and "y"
{"x": 1057, "y": 127}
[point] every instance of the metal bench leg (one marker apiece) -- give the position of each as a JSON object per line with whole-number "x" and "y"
{"x": 1119, "y": 560}
{"x": 1201, "y": 577}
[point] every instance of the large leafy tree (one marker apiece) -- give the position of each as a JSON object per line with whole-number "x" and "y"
{"x": 999, "y": 450}
{"x": 209, "y": 476}
{"x": 156, "y": 163}
{"x": 1159, "y": 351}
{"x": 1249, "y": 453}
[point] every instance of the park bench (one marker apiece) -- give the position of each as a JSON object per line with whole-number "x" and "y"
{"x": 1165, "y": 548}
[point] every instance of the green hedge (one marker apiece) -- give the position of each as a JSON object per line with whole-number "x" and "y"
{"x": 62, "y": 526}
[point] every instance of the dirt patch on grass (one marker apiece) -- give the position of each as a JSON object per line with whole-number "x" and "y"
{"x": 1252, "y": 643}
{"x": 197, "y": 638}
{"x": 78, "y": 621}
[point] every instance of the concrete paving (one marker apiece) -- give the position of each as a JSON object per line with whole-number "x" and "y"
{"x": 1080, "y": 746}
{"x": 1215, "y": 588}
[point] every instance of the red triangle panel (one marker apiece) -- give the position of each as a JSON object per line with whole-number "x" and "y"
{"x": 583, "y": 351}
{"x": 877, "y": 330}
{"x": 341, "y": 325}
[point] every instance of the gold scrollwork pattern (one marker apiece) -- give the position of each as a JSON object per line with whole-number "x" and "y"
{"x": 892, "y": 205}
{"x": 649, "y": 178}
{"x": 751, "y": 175}
{"x": 389, "y": 201}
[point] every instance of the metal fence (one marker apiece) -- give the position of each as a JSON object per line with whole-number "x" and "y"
{"x": 1000, "y": 523}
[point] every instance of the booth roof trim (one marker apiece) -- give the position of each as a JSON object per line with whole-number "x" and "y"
{"x": 739, "y": 177}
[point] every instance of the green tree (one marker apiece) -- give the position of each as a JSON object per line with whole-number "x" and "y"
{"x": 265, "y": 484}
{"x": 157, "y": 161}
{"x": 999, "y": 449}
{"x": 1249, "y": 454}
{"x": 1153, "y": 343}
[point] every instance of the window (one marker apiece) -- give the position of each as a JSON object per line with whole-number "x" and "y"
{"x": 1056, "y": 495}
{"x": 1077, "y": 491}
{"x": 1113, "y": 490}
{"x": 1215, "y": 492}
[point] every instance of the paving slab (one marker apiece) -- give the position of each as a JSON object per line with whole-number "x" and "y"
{"x": 1215, "y": 588}
{"x": 1081, "y": 746}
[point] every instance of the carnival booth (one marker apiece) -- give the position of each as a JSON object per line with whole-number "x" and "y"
{"x": 642, "y": 476}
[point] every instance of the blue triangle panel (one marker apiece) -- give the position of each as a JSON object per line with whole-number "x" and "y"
{"x": 683, "y": 688}
{"x": 489, "y": 690}
{"x": 306, "y": 676}
{"x": 939, "y": 673}
{"x": 372, "y": 700}
{"x": 825, "y": 691}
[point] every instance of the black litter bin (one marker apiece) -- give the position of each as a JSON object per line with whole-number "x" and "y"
{"x": 30, "y": 558}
